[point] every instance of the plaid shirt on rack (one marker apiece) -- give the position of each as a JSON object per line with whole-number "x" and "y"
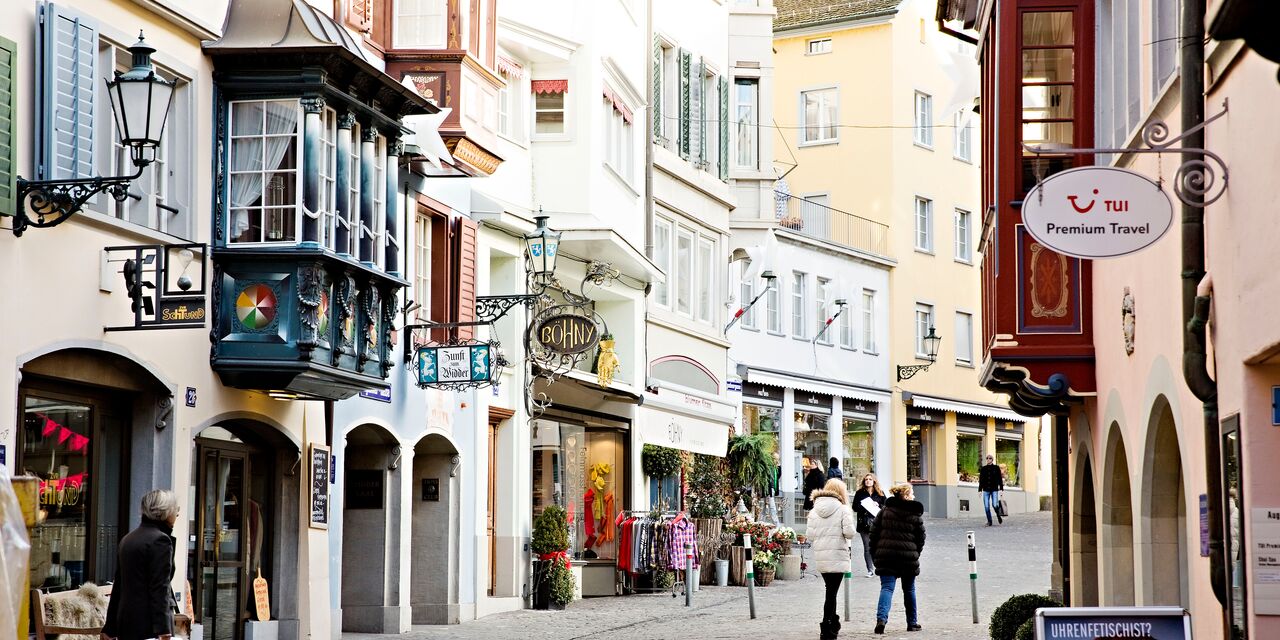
{"x": 682, "y": 532}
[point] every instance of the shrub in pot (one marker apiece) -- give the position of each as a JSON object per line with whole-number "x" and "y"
{"x": 1008, "y": 617}
{"x": 551, "y": 568}
{"x": 1027, "y": 631}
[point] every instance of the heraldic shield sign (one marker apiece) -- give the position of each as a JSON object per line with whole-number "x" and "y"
{"x": 1097, "y": 212}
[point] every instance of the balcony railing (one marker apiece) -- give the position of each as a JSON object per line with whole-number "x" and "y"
{"x": 855, "y": 232}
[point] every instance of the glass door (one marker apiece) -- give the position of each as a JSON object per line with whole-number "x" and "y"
{"x": 220, "y": 541}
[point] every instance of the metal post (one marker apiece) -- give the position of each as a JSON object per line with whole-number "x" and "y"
{"x": 688, "y": 574}
{"x": 973, "y": 573}
{"x": 848, "y": 584}
{"x": 751, "y": 576}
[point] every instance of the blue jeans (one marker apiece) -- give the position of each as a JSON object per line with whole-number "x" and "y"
{"x": 990, "y": 501}
{"x": 908, "y": 597}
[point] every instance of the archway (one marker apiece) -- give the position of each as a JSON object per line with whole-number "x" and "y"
{"x": 433, "y": 582}
{"x": 1084, "y": 536}
{"x": 1117, "y": 524}
{"x": 371, "y": 499}
{"x": 1164, "y": 512}
{"x": 245, "y": 496}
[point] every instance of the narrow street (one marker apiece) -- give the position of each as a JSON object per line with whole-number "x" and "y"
{"x": 1013, "y": 558}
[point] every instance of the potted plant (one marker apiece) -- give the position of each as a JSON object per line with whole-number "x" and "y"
{"x": 784, "y": 536}
{"x": 708, "y": 502}
{"x": 1015, "y": 612}
{"x": 765, "y": 564}
{"x": 750, "y": 462}
{"x": 551, "y": 568}
{"x": 659, "y": 462}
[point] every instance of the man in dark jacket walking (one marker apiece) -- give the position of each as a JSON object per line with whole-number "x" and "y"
{"x": 991, "y": 484}
{"x": 142, "y": 603}
{"x": 897, "y": 538}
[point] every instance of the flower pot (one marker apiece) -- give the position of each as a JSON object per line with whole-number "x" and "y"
{"x": 784, "y": 548}
{"x": 542, "y": 584}
{"x": 764, "y": 576}
{"x": 697, "y": 579}
{"x": 722, "y": 573}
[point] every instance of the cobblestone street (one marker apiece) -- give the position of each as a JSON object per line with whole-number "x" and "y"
{"x": 1013, "y": 558}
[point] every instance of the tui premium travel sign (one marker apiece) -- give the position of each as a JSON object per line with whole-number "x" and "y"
{"x": 1097, "y": 212}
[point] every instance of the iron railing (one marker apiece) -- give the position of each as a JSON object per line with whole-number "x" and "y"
{"x": 818, "y": 221}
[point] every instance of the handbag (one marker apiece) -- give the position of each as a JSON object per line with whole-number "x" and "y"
{"x": 1002, "y": 508}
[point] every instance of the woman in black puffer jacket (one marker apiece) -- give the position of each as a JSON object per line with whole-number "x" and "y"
{"x": 897, "y": 538}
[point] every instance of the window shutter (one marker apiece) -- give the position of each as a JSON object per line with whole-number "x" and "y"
{"x": 697, "y": 101}
{"x": 465, "y": 265}
{"x": 657, "y": 89}
{"x": 360, "y": 14}
{"x": 8, "y": 148}
{"x": 685, "y": 61}
{"x": 723, "y": 156}
{"x": 69, "y": 46}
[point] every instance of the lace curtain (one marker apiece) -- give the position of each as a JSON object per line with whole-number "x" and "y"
{"x": 271, "y": 128}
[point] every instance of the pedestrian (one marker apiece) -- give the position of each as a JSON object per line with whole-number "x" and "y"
{"x": 142, "y": 602}
{"x": 813, "y": 480}
{"x": 991, "y": 484}
{"x": 833, "y": 469}
{"x": 830, "y": 528}
{"x": 897, "y": 538}
{"x": 868, "y": 488}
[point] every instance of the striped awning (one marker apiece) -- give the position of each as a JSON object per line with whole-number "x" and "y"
{"x": 510, "y": 68}
{"x": 618, "y": 104}
{"x": 550, "y": 86}
{"x": 966, "y": 408}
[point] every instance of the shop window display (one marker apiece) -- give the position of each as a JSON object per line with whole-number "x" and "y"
{"x": 1009, "y": 458}
{"x": 859, "y": 451}
{"x": 968, "y": 457}
{"x": 918, "y": 453}
{"x": 810, "y": 449}
{"x": 762, "y": 419}
{"x": 580, "y": 469}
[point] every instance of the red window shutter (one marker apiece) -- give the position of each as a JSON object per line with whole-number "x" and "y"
{"x": 443, "y": 247}
{"x": 466, "y": 270}
{"x": 360, "y": 14}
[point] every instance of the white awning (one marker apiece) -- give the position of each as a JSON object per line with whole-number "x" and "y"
{"x": 686, "y": 421}
{"x": 966, "y": 408}
{"x": 783, "y": 380}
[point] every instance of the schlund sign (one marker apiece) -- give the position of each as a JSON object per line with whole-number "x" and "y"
{"x": 568, "y": 333}
{"x": 1097, "y": 212}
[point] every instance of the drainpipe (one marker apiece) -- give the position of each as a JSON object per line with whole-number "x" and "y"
{"x": 648, "y": 127}
{"x": 1197, "y": 293}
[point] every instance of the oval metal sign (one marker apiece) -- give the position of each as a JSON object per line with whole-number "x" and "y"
{"x": 568, "y": 333}
{"x": 1097, "y": 212}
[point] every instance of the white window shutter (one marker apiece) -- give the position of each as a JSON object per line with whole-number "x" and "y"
{"x": 697, "y": 137}
{"x": 68, "y": 53}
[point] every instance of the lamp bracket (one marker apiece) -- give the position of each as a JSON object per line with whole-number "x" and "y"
{"x": 905, "y": 372}
{"x": 489, "y": 309}
{"x": 53, "y": 201}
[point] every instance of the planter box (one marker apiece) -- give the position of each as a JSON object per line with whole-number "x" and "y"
{"x": 789, "y": 568}
{"x": 737, "y": 565}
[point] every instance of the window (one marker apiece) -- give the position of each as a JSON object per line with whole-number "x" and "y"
{"x": 420, "y": 24}
{"x": 748, "y": 123}
{"x": 662, "y": 258}
{"x": 963, "y": 251}
{"x": 924, "y": 322}
{"x": 1048, "y": 90}
{"x": 846, "y": 328}
{"x": 798, "y": 304}
{"x": 964, "y": 338}
{"x": 707, "y": 273}
{"x": 328, "y": 176}
{"x": 352, "y": 223}
{"x": 964, "y": 136}
{"x": 859, "y": 451}
{"x": 1164, "y": 45}
{"x": 263, "y": 198}
{"x": 684, "y": 271}
{"x": 819, "y": 115}
{"x": 919, "y": 452}
{"x": 924, "y": 119}
{"x": 617, "y": 140}
{"x": 746, "y": 293}
{"x": 772, "y": 306}
{"x": 422, "y": 266}
{"x": 868, "y": 321}
{"x": 667, "y": 91}
{"x": 505, "y": 126}
{"x": 379, "y": 230}
{"x": 548, "y": 112}
{"x": 968, "y": 456}
{"x": 1009, "y": 459}
{"x": 563, "y": 456}
{"x": 1119, "y": 51}
{"x": 821, "y": 311}
{"x": 819, "y": 46}
{"x": 8, "y": 128}
{"x": 924, "y": 225}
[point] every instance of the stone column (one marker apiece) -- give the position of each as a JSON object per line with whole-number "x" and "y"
{"x": 312, "y": 161}
{"x": 342, "y": 178}
{"x": 368, "y": 154}
{"x": 391, "y": 263}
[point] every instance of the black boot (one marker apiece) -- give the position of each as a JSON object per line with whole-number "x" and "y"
{"x": 880, "y": 626}
{"x": 835, "y": 627}
{"x": 826, "y": 632}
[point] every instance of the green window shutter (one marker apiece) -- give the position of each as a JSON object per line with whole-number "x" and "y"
{"x": 686, "y": 61}
{"x": 723, "y": 156}
{"x": 657, "y": 89}
{"x": 698, "y": 107}
{"x": 8, "y": 129}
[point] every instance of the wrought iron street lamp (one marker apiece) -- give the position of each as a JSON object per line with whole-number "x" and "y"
{"x": 542, "y": 247}
{"x": 140, "y": 102}
{"x": 931, "y": 342}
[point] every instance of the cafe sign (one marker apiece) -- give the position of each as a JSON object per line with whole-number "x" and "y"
{"x": 567, "y": 333}
{"x": 1097, "y": 212}
{"x": 465, "y": 364}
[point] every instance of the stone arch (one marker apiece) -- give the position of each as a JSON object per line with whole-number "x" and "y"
{"x": 1084, "y": 534}
{"x": 371, "y": 486}
{"x": 686, "y": 372}
{"x": 1163, "y": 544}
{"x": 434, "y": 525}
{"x": 1117, "y": 523}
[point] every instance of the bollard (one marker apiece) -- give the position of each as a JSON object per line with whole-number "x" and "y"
{"x": 751, "y": 575}
{"x": 688, "y": 574}
{"x": 973, "y": 574}
{"x": 848, "y": 584}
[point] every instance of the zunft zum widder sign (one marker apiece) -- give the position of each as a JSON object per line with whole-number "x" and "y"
{"x": 1097, "y": 212}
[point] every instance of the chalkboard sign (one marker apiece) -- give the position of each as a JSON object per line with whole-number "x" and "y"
{"x": 319, "y": 456}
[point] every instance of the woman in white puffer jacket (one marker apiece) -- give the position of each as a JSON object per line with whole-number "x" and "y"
{"x": 830, "y": 528}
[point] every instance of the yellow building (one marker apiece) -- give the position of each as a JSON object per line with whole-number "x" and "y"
{"x": 873, "y": 112}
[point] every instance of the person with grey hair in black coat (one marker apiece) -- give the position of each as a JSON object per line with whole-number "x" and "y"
{"x": 897, "y": 538}
{"x": 142, "y": 603}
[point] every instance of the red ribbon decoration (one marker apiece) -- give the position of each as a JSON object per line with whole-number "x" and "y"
{"x": 78, "y": 442}
{"x": 49, "y": 426}
{"x": 556, "y": 555}
{"x": 63, "y": 434}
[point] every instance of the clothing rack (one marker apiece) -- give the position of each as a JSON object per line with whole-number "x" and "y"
{"x": 626, "y": 579}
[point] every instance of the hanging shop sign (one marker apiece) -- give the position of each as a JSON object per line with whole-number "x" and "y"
{"x": 1097, "y": 212}
{"x": 459, "y": 364}
{"x": 567, "y": 333}
{"x": 1077, "y": 623}
{"x": 159, "y": 284}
